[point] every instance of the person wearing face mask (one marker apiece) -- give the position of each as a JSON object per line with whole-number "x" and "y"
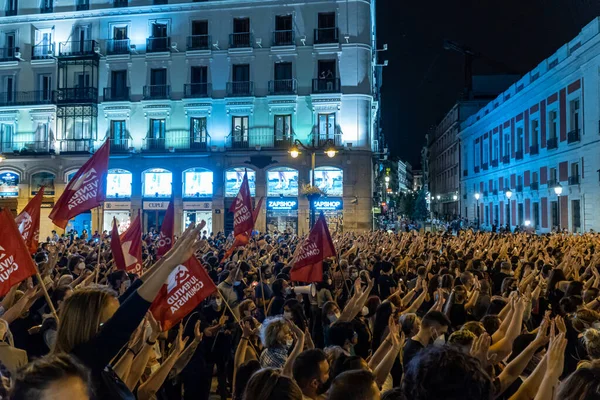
{"x": 231, "y": 288}
{"x": 277, "y": 336}
{"x": 433, "y": 325}
{"x": 311, "y": 373}
{"x": 330, "y": 314}
{"x": 281, "y": 290}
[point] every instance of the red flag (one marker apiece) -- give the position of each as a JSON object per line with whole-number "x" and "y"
{"x": 165, "y": 239}
{"x": 85, "y": 191}
{"x": 16, "y": 264}
{"x": 242, "y": 209}
{"x": 115, "y": 246}
{"x": 188, "y": 285}
{"x": 308, "y": 259}
{"x": 131, "y": 245}
{"x": 28, "y": 221}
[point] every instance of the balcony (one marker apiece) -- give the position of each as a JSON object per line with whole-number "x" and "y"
{"x": 476, "y": 169}
{"x": 42, "y": 51}
{"x": 117, "y": 46}
{"x": 240, "y": 40}
{"x": 157, "y": 92}
{"x": 326, "y": 35}
{"x": 259, "y": 138}
{"x": 519, "y": 155}
{"x": 494, "y": 163}
{"x": 534, "y": 150}
{"x": 120, "y": 3}
{"x": 485, "y": 166}
{"x": 82, "y": 5}
{"x": 197, "y": 90}
{"x": 240, "y": 89}
{"x": 552, "y": 183}
{"x": 76, "y": 146}
{"x": 283, "y": 38}
{"x": 321, "y": 139}
{"x": 116, "y": 94}
{"x": 574, "y": 136}
{"x": 534, "y": 186}
{"x": 199, "y": 42}
{"x": 326, "y": 85}
{"x": 283, "y": 86}
{"x": 25, "y": 98}
{"x": 485, "y": 194}
{"x": 8, "y": 54}
{"x": 495, "y": 192}
{"x": 76, "y": 48}
{"x": 519, "y": 189}
{"x": 119, "y": 145}
{"x": 505, "y": 159}
{"x": 552, "y": 143}
{"x": 177, "y": 141}
{"x": 27, "y": 148}
{"x": 47, "y": 7}
{"x": 574, "y": 180}
{"x": 158, "y": 44}
{"x": 76, "y": 95}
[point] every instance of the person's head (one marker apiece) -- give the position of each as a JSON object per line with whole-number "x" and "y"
{"x": 581, "y": 384}
{"x": 434, "y": 324}
{"x": 60, "y": 295}
{"x": 462, "y": 340}
{"x": 247, "y": 308}
{"x": 342, "y": 334}
{"x": 270, "y": 384}
{"x": 311, "y": 372}
{"x": 293, "y": 311}
{"x": 474, "y": 326}
{"x": 330, "y": 313}
{"x": 509, "y": 284}
{"x": 52, "y": 377}
{"x": 460, "y": 294}
{"x": 243, "y": 375}
{"x": 590, "y": 294}
{"x": 82, "y": 316}
{"x": 583, "y": 319}
{"x": 574, "y": 288}
{"x": 466, "y": 278}
{"x": 387, "y": 268}
{"x": 591, "y": 340}
{"x": 462, "y": 376}
{"x": 410, "y": 324}
{"x": 355, "y": 384}
{"x": 505, "y": 267}
{"x": 491, "y": 323}
{"x": 117, "y": 278}
{"x": 275, "y": 332}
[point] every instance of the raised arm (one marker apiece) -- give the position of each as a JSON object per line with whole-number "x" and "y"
{"x": 298, "y": 348}
{"x": 141, "y": 360}
{"x": 385, "y": 366}
{"x": 554, "y": 369}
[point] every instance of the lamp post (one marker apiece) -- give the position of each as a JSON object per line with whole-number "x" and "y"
{"x": 328, "y": 147}
{"x": 477, "y": 196}
{"x": 558, "y": 191}
{"x": 508, "y": 196}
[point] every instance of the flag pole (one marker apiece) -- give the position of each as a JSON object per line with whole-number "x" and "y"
{"x": 262, "y": 291}
{"x": 100, "y": 229}
{"x": 46, "y": 295}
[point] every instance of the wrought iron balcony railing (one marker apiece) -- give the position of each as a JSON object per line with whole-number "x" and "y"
{"x": 27, "y": 147}
{"x": 76, "y": 95}
{"x": 42, "y": 51}
{"x": 552, "y": 143}
{"x": 240, "y": 40}
{"x": 534, "y": 186}
{"x": 574, "y": 136}
{"x": 321, "y": 139}
{"x": 119, "y": 145}
{"x": 77, "y": 48}
{"x": 519, "y": 155}
{"x": 260, "y": 137}
{"x": 326, "y": 85}
{"x": 197, "y": 90}
{"x": 326, "y": 35}
{"x": 283, "y": 38}
{"x": 117, "y": 46}
{"x": 506, "y": 159}
{"x": 574, "y": 180}
{"x": 176, "y": 141}
{"x": 118, "y": 93}
{"x": 198, "y": 42}
{"x": 534, "y": 150}
{"x": 283, "y": 86}
{"x": 157, "y": 92}
{"x": 237, "y": 89}
{"x": 26, "y": 98}
{"x": 8, "y": 53}
{"x": 76, "y": 146}
{"x": 158, "y": 44}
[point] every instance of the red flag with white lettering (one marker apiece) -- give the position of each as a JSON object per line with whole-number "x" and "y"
{"x": 85, "y": 191}
{"x": 188, "y": 285}
{"x": 115, "y": 246}
{"x": 307, "y": 265}
{"x": 131, "y": 245}
{"x": 242, "y": 209}
{"x": 28, "y": 221}
{"x": 165, "y": 239}
{"x": 16, "y": 264}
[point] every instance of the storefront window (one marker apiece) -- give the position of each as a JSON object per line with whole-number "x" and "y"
{"x": 330, "y": 180}
{"x": 157, "y": 182}
{"x": 45, "y": 179}
{"x": 197, "y": 182}
{"x": 282, "y": 182}
{"x": 282, "y": 214}
{"x": 234, "y": 178}
{"x": 9, "y": 184}
{"x": 333, "y": 209}
{"x": 118, "y": 183}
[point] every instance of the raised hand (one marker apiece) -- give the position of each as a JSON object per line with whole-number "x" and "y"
{"x": 155, "y": 326}
{"x": 246, "y": 330}
{"x": 180, "y": 342}
{"x": 198, "y": 335}
{"x": 556, "y": 357}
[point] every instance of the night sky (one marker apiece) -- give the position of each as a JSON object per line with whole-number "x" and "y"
{"x": 423, "y": 80}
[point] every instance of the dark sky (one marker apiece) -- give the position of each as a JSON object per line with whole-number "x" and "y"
{"x": 423, "y": 80}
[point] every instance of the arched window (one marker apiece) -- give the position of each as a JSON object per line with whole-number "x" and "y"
{"x": 45, "y": 179}
{"x": 118, "y": 183}
{"x": 197, "y": 183}
{"x": 234, "y": 178}
{"x": 330, "y": 180}
{"x": 157, "y": 182}
{"x": 282, "y": 181}
{"x": 9, "y": 184}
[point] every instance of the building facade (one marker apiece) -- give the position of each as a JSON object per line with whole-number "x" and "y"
{"x": 530, "y": 157}
{"x": 191, "y": 95}
{"x": 417, "y": 180}
{"x": 405, "y": 177}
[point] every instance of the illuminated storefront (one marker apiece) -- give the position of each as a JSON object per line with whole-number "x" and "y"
{"x": 119, "y": 210}
{"x": 196, "y": 211}
{"x": 330, "y": 180}
{"x": 118, "y": 205}
{"x": 157, "y": 185}
{"x": 333, "y": 209}
{"x": 9, "y": 190}
{"x": 282, "y": 214}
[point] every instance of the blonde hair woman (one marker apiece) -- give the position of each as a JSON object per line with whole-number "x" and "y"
{"x": 94, "y": 327}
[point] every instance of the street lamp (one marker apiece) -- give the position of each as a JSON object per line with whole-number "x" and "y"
{"x": 387, "y": 183}
{"x": 455, "y": 197}
{"x": 558, "y": 191}
{"x": 329, "y": 148}
{"x": 508, "y": 196}
{"x": 477, "y": 196}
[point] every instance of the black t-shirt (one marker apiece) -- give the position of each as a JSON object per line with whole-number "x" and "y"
{"x": 497, "y": 280}
{"x": 411, "y": 349}
{"x": 385, "y": 285}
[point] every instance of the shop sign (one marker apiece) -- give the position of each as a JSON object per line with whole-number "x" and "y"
{"x": 155, "y": 205}
{"x": 197, "y": 205}
{"x": 376, "y": 210}
{"x": 117, "y": 205}
{"x": 328, "y": 204}
{"x": 282, "y": 203}
{"x": 47, "y": 204}
{"x": 9, "y": 184}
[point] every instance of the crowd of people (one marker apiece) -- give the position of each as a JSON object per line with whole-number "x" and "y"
{"x": 407, "y": 315}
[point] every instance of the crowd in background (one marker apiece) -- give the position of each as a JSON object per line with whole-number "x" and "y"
{"x": 407, "y": 315}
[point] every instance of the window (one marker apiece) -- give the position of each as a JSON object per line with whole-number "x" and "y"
{"x": 486, "y": 151}
{"x": 156, "y": 134}
{"x": 241, "y": 33}
{"x": 82, "y": 5}
{"x": 487, "y": 215}
{"x": 552, "y": 124}
{"x": 326, "y": 31}
{"x": 8, "y": 53}
{"x": 118, "y": 132}
{"x": 11, "y": 7}
{"x": 198, "y": 135}
{"x": 575, "y": 169}
{"x": 283, "y": 129}
{"x": 552, "y": 178}
{"x": 495, "y": 149}
{"x": 520, "y": 214}
{"x": 506, "y": 152}
{"x": 326, "y": 126}
{"x": 535, "y": 215}
{"x": 197, "y": 182}
{"x": 477, "y": 154}
{"x": 240, "y": 130}
{"x": 520, "y": 139}
{"x": 199, "y": 39}
{"x": 576, "y": 216}
{"x": 574, "y": 115}
{"x": 47, "y": 6}
{"x": 535, "y": 134}
{"x": 534, "y": 177}
{"x": 198, "y": 81}
{"x": 284, "y": 33}
{"x": 8, "y": 89}
{"x": 554, "y": 213}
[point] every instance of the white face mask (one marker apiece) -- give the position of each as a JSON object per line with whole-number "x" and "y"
{"x": 287, "y": 315}
{"x": 289, "y": 343}
{"x": 218, "y": 302}
{"x": 333, "y": 317}
{"x": 440, "y": 340}
{"x": 365, "y": 311}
